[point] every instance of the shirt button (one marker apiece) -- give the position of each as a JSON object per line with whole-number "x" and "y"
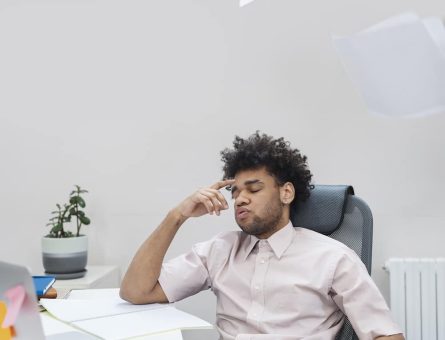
{"x": 263, "y": 261}
{"x": 257, "y": 287}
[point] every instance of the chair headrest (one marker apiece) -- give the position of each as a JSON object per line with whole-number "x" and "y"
{"x": 324, "y": 209}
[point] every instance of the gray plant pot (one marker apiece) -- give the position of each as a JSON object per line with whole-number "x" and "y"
{"x": 65, "y": 258}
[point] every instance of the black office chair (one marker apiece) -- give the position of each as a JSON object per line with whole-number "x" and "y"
{"x": 335, "y": 211}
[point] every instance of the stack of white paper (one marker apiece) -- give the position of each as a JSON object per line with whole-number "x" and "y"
{"x": 398, "y": 65}
{"x": 104, "y": 314}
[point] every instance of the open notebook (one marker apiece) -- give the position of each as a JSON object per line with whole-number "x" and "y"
{"x": 103, "y": 313}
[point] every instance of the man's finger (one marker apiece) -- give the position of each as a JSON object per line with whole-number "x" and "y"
{"x": 215, "y": 196}
{"x": 206, "y": 202}
{"x": 221, "y": 184}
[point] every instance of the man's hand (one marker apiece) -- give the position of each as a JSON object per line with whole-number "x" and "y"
{"x": 206, "y": 200}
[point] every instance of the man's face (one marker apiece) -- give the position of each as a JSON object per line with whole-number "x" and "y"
{"x": 258, "y": 207}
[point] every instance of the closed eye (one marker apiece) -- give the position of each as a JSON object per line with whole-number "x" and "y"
{"x": 235, "y": 194}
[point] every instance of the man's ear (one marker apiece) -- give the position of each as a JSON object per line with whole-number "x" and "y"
{"x": 287, "y": 193}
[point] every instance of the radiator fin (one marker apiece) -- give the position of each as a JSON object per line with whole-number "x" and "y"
{"x": 417, "y": 288}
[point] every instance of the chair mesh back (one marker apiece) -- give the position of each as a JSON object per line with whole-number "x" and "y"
{"x": 356, "y": 232}
{"x": 356, "y": 229}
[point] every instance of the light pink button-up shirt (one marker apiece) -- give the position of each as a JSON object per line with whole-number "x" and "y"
{"x": 294, "y": 285}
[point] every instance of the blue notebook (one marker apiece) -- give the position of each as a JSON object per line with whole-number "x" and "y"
{"x": 43, "y": 283}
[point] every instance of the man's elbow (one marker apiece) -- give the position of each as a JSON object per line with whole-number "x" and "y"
{"x": 123, "y": 294}
{"x": 140, "y": 296}
{"x": 131, "y": 296}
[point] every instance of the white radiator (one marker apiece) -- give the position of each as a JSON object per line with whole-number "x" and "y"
{"x": 417, "y": 288}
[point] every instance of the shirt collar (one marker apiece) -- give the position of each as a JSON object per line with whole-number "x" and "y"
{"x": 279, "y": 241}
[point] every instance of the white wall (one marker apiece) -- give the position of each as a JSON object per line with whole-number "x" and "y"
{"x": 133, "y": 100}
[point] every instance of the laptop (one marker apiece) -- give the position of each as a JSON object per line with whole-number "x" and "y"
{"x": 28, "y": 323}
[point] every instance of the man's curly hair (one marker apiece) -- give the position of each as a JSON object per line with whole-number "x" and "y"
{"x": 282, "y": 162}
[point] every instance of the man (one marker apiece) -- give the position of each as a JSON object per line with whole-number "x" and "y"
{"x": 272, "y": 281}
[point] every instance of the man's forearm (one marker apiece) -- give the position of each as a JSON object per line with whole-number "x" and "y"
{"x": 143, "y": 273}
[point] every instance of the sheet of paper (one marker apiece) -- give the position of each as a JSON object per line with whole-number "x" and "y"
{"x": 173, "y": 335}
{"x": 397, "y": 67}
{"x": 75, "y": 310}
{"x": 243, "y": 3}
{"x": 107, "y": 293}
{"x": 53, "y": 326}
{"x": 141, "y": 323}
{"x": 16, "y": 295}
{"x": 94, "y": 294}
{"x": 404, "y": 18}
{"x": 436, "y": 29}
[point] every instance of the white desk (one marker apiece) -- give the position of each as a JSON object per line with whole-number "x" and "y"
{"x": 96, "y": 277}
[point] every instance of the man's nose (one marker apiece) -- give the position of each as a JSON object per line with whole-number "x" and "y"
{"x": 241, "y": 200}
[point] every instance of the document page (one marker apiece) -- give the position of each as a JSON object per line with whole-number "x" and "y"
{"x": 398, "y": 65}
{"x": 76, "y": 310}
{"x": 140, "y": 323}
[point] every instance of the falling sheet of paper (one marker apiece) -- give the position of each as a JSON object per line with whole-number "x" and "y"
{"x": 16, "y": 296}
{"x": 398, "y": 65}
{"x": 243, "y": 3}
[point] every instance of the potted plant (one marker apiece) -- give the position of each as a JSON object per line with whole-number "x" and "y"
{"x": 65, "y": 253}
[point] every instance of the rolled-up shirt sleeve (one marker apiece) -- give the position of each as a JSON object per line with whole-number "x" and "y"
{"x": 186, "y": 274}
{"x": 356, "y": 294}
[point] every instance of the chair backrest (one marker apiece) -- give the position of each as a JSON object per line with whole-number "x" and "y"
{"x": 335, "y": 211}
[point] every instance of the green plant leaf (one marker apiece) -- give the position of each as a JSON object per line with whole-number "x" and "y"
{"x": 80, "y": 213}
{"x": 81, "y": 201}
{"x": 56, "y": 228}
{"x": 85, "y": 220}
